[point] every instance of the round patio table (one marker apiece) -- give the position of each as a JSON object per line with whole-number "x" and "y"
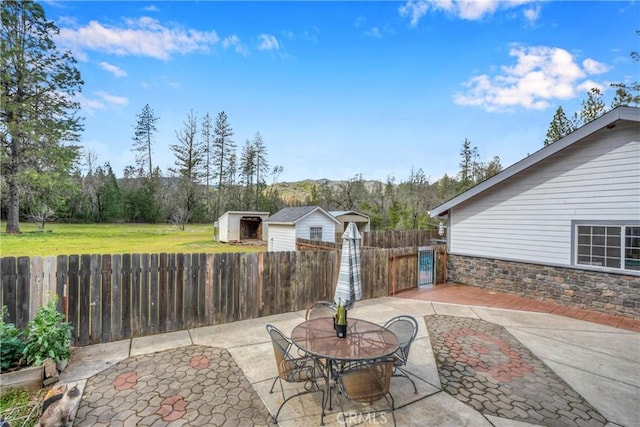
{"x": 364, "y": 341}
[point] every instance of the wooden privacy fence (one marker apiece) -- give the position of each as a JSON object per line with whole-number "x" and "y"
{"x": 113, "y": 297}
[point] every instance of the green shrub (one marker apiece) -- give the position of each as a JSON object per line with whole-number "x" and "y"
{"x": 47, "y": 336}
{"x": 11, "y": 344}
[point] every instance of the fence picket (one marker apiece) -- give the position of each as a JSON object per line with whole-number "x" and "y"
{"x": 9, "y": 285}
{"x": 116, "y": 297}
{"x": 136, "y": 286}
{"x": 84, "y": 293}
{"x": 35, "y": 285}
{"x": 154, "y": 294}
{"x": 106, "y": 298}
{"x": 96, "y": 307}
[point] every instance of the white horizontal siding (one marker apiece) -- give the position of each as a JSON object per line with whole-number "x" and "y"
{"x": 316, "y": 219}
{"x": 281, "y": 238}
{"x": 528, "y": 217}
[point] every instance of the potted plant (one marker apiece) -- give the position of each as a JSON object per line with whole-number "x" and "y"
{"x": 341, "y": 321}
{"x": 14, "y": 371}
{"x": 48, "y": 337}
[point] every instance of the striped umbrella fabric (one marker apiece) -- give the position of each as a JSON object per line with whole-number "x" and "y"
{"x": 349, "y": 288}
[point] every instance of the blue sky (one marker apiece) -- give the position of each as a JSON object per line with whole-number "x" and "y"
{"x": 344, "y": 88}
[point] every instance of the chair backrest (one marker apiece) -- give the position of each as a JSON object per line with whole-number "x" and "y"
{"x": 281, "y": 345}
{"x": 320, "y": 309}
{"x": 405, "y": 328}
{"x": 367, "y": 382}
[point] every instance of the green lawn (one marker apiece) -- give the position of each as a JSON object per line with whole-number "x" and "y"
{"x": 77, "y": 239}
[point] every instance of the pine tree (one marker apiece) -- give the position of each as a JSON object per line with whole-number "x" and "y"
{"x": 223, "y": 155}
{"x": 38, "y": 85}
{"x": 143, "y": 140}
{"x": 593, "y": 107}
{"x": 559, "y": 127}
{"x": 189, "y": 167}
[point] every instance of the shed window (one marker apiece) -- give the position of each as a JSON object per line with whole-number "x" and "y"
{"x": 610, "y": 246}
{"x": 315, "y": 233}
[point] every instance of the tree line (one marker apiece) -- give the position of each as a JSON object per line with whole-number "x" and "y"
{"x": 47, "y": 176}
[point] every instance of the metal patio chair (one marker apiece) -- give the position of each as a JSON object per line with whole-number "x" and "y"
{"x": 367, "y": 382}
{"x": 294, "y": 369}
{"x": 320, "y": 309}
{"x": 406, "y": 328}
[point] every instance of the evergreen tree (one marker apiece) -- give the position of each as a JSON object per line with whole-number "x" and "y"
{"x": 143, "y": 140}
{"x": 593, "y": 107}
{"x": 261, "y": 167}
{"x": 466, "y": 164}
{"x": 223, "y": 155}
{"x": 38, "y": 85}
{"x": 189, "y": 167}
{"x": 559, "y": 127}
{"x": 206, "y": 132}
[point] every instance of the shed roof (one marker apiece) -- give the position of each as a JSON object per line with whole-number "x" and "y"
{"x": 291, "y": 215}
{"x": 608, "y": 121}
{"x": 340, "y": 213}
{"x": 245, "y": 213}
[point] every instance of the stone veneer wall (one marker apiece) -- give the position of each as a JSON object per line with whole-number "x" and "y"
{"x": 617, "y": 294}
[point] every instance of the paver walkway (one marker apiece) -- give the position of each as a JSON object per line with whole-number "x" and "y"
{"x": 484, "y": 366}
{"x": 189, "y": 386}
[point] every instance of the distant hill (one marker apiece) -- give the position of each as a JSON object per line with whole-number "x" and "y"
{"x": 298, "y": 191}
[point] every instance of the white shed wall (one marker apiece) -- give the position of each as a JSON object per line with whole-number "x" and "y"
{"x": 316, "y": 219}
{"x": 528, "y": 217}
{"x": 223, "y": 228}
{"x": 281, "y": 238}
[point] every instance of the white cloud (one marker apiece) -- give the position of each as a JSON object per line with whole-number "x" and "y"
{"x": 532, "y": 14}
{"x": 268, "y": 42}
{"x": 464, "y": 9}
{"x": 235, "y": 43}
{"x": 141, "y": 37}
{"x": 414, "y": 10}
{"x": 89, "y": 106}
{"x": 113, "y": 99}
{"x": 587, "y": 85}
{"x": 541, "y": 74}
{"x": 594, "y": 67}
{"x": 114, "y": 69}
{"x": 373, "y": 32}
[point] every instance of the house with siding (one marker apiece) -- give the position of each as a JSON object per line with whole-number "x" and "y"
{"x": 345, "y": 217}
{"x": 563, "y": 224}
{"x": 300, "y": 222}
{"x": 234, "y": 226}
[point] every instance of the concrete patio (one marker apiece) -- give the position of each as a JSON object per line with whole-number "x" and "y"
{"x": 600, "y": 363}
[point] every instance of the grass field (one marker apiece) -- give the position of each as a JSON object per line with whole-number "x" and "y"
{"x": 77, "y": 239}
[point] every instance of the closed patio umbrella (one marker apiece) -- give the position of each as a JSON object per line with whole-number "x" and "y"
{"x": 349, "y": 288}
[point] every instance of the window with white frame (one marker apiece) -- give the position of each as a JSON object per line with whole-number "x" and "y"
{"x": 315, "y": 233}
{"x": 608, "y": 246}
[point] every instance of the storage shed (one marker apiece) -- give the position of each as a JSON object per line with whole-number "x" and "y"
{"x": 300, "y": 222}
{"x": 345, "y": 217}
{"x": 241, "y": 225}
